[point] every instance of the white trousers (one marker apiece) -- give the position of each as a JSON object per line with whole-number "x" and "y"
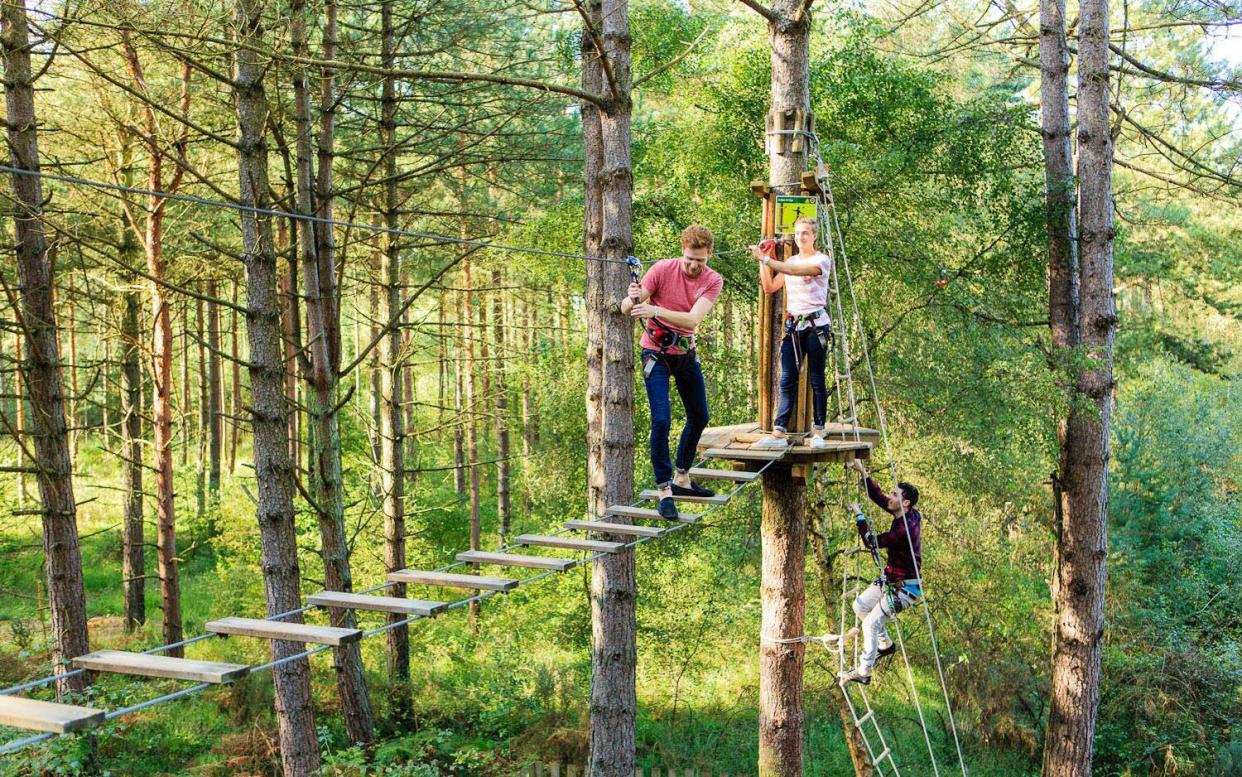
{"x": 874, "y": 607}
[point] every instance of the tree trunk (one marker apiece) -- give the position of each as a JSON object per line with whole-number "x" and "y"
{"x": 133, "y": 568}
{"x": 783, "y": 527}
{"x": 204, "y": 413}
{"x": 504, "y": 507}
{"x": 299, "y": 748}
{"x": 322, "y": 378}
{"x": 783, "y": 604}
{"x": 610, "y": 386}
{"x": 214, "y": 398}
{"x": 19, "y": 412}
{"x": 133, "y": 544}
{"x": 74, "y": 422}
{"x": 161, "y": 359}
{"x": 235, "y": 390}
{"x": 41, "y": 368}
{"x": 392, "y": 418}
{"x": 1082, "y": 541}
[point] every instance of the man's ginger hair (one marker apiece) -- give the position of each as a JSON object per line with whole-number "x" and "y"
{"x": 697, "y": 236}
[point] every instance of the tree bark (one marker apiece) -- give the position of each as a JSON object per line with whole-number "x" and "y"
{"x": 235, "y": 391}
{"x": 41, "y": 369}
{"x": 200, "y": 485}
{"x": 1082, "y": 543}
{"x": 274, "y": 470}
{"x": 783, "y": 603}
{"x": 133, "y": 563}
{"x": 610, "y": 386}
{"x": 783, "y": 527}
{"x": 214, "y": 398}
{"x": 1060, "y": 218}
{"x": 161, "y": 355}
{"x": 504, "y": 505}
{"x": 323, "y": 331}
{"x": 392, "y": 389}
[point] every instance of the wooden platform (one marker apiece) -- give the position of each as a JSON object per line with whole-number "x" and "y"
{"x": 289, "y": 632}
{"x": 453, "y": 580}
{"x": 736, "y": 475}
{"x": 570, "y": 543}
{"x": 733, "y": 443}
{"x": 647, "y": 512}
{"x": 515, "y": 560}
{"x": 34, "y": 715}
{"x": 169, "y": 667}
{"x": 351, "y": 601}
{"x": 605, "y": 527}
{"x": 718, "y": 499}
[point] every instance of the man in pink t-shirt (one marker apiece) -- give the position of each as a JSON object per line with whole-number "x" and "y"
{"x": 674, "y": 297}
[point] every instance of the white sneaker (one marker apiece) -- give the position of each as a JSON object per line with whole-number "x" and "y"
{"x": 771, "y": 443}
{"x": 818, "y": 443}
{"x": 855, "y": 675}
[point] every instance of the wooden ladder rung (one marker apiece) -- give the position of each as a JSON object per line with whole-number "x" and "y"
{"x": 570, "y": 543}
{"x": 736, "y": 475}
{"x": 647, "y": 512}
{"x": 515, "y": 560}
{"x": 743, "y": 454}
{"x": 288, "y": 632}
{"x": 719, "y": 499}
{"x": 886, "y": 754}
{"x": 35, "y": 715}
{"x": 616, "y": 528}
{"x": 169, "y": 667}
{"x": 351, "y": 601}
{"x": 453, "y": 580}
{"x": 870, "y": 714}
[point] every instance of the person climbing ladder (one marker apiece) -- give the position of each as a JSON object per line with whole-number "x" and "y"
{"x": 899, "y": 586}
{"x": 675, "y": 296}
{"x": 808, "y": 329}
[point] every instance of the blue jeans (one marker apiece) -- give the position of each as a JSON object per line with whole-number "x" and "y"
{"x": 812, "y": 350}
{"x": 687, "y": 373}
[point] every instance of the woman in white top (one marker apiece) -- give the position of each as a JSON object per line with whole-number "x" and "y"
{"x": 805, "y": 278}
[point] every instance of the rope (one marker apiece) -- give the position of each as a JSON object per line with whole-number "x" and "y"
{"x": 892, "y": 464}
{"x": 20, "y": 744}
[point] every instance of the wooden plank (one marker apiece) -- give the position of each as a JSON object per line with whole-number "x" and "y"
{"x": 144, "y": 665}
{"x": 351, "y": 601}
{"x": 289, "y": 632}
{"x": 515, "y": 560}
{"x": 35, "y": 715}
{"x": 743, "y": 454}
{"x": 736, "y": 475}
{"x": 570, "y": 543}
{"x": 719, "y": 499}
{"x": 616, "y": 528}
{"x": 453, "y": 580}
{"x": 647, "y": 512}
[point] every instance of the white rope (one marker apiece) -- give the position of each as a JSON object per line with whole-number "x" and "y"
{"x": 892, "y": 465}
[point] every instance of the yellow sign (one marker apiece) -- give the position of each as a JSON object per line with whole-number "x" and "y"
{"x": 790, "y": 208}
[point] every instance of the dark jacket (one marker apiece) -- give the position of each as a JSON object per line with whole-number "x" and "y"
{"x": 899, "y": 538}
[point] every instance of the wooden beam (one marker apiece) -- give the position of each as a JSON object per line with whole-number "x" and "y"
{"x": 351, "y": 601}
{"x": 744, "y": 454}
{"x": 288, "y": 632}
{"x": 736, "y": 475}
{"x": 453, "y": 580}
{"x": 515, "y": 560}
{"x": 169, "y": 667}
{"x": 570, "y": 543}
{"x": 646, "y": 512}
{"x": 604, "y": 527}
{"x": 35, "y": 715}
{"x": 719, "y": 499}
